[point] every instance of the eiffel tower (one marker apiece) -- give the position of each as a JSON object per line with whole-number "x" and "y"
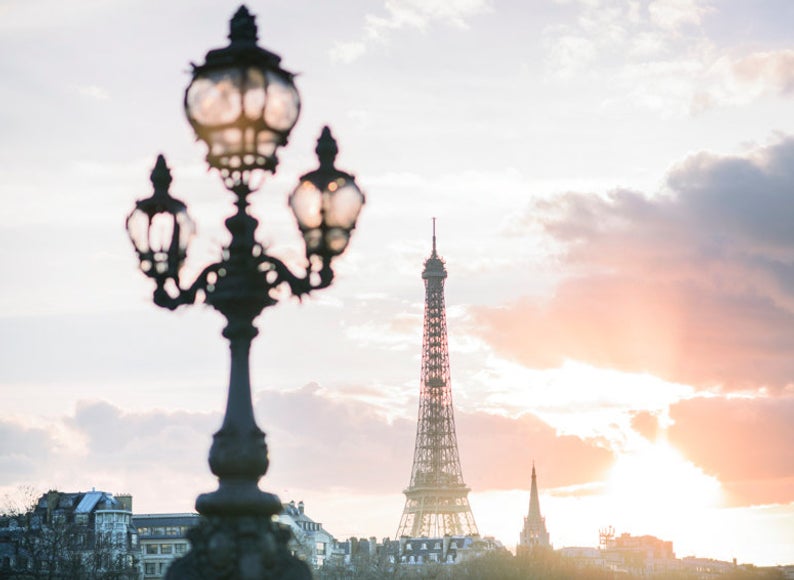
{"x": 437, "y": 500}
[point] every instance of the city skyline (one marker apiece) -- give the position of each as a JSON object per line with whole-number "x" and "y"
{"x": 613, "y": 181}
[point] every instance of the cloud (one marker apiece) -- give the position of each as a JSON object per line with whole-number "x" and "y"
{"x": 347, "y": 52}
{"x": 695, "y": 286}
{"x": 312, "y": 436}
{"x": 24, "y": 451}
{"x": 498, "y": 452}
{"x": 746, "y": 443}
{"x": 772, "y": 72}
{"x": 646, "y": 424}
{"x": 674, "y": 14}
{"x": 135, "y": 441}
{"x": 664, "y": 56}
{"x": 628, "y": 29}
{"x": 315, "y": 438}
{"x": 416, "y": 14}
{"x": 738, "y": 80}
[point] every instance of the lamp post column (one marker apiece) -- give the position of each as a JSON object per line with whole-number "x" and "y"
{"x": 242, "y": 104}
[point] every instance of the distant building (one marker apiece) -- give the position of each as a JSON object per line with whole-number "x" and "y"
{"x": 163, "y": 538}
{"x": 705, "y": 568}
{"x": 534, "y": 534}
{"x": 584, "y": 556}
{"x": 383, "y": 559}
{"x": 311, "y": 541}
{"x": 446, "y": 550}
{"x": 72, "y": 535}
{"x": 646, "y": 555}
{"x": 649, "y": 557}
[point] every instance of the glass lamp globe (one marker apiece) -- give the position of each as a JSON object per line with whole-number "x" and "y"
{"x": 241, "y": 103}
{"x": 160, "y": 228}
{"x": 326, "y": 203}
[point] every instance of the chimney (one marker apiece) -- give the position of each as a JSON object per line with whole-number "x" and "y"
{"x": 300, "y": 506}
{"x": 126, "y": 501}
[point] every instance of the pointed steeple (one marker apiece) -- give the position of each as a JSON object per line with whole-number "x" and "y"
{"x": 534, "y": 503}
{"x": 534, "y": 533}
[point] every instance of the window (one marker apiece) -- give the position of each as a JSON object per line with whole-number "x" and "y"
{"x": 151, "y": 548}
{"x": 321, "y": 548}
{"x": 180, "y": 548}
{"x": 166, "y": 548}
{"x": 150, "y": 569}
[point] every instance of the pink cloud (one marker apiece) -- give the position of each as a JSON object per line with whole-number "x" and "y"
{"x": 695, "y": 286}
{"x": 497, "y": 453}
{"x": 314, "y": 438}
{"x": 746, "y": 443}
{"x": 773, "y": 70}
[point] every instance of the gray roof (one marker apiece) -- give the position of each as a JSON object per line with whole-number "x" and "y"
{"x": 88, "y": 502}
{"x": 164, "y": 520}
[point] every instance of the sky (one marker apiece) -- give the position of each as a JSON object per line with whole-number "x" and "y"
{"x": 614, "y": 187}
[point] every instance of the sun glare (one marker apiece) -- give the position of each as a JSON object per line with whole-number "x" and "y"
{"x": 654, "y": 488}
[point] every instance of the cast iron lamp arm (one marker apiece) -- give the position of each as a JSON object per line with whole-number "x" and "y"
{"x": 184, "y": 296}
{"x": 298, "y": 286}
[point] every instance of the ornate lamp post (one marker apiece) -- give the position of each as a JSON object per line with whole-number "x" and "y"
{"x": 242, "y": 104}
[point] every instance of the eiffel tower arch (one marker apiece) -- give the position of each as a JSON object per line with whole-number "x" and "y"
{"x": 437, "y": 499}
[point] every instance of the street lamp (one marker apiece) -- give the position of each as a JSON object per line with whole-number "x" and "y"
{"x": 242, "y": 104}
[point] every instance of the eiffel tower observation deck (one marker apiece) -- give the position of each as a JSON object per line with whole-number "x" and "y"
{"x": 437, "y": 500}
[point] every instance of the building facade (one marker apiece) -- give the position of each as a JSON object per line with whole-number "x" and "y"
{"x": 310, "y": 540}
{"x": 163, "y": 538}
{"x": 79, "y": 535}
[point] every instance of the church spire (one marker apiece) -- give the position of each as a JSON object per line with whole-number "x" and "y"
{"x": 534, "y": 502}
{"x": 534, "y": 533}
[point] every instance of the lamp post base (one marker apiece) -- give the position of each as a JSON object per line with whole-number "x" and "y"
{"x": 239, "y": 548}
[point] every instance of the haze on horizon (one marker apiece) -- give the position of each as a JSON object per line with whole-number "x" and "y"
{"x": 614, "y": 182}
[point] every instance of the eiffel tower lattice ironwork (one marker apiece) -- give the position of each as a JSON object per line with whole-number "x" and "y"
{"x": 437, "y": 500}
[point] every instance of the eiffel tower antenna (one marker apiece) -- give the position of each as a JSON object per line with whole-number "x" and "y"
{"x": 434, "y": 237}
{"x": 437, "y": 500}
